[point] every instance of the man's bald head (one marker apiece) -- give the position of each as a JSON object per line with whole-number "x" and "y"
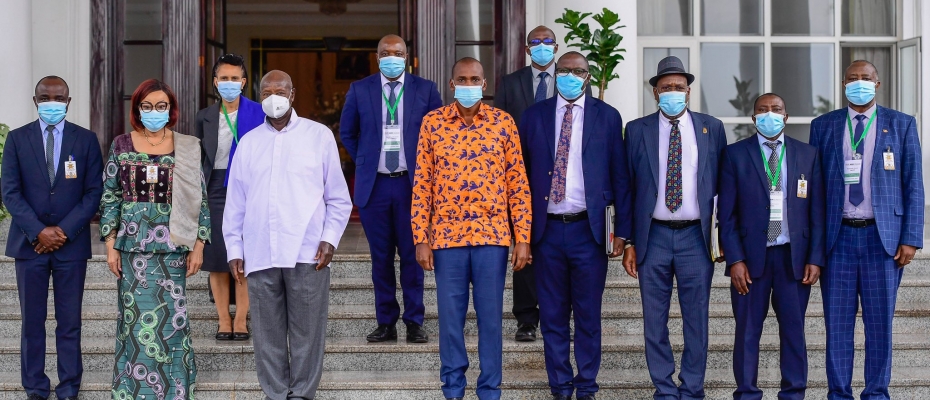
{"x": 276, "y": 77}
{"x": 392, "y": 45}
{"x": 540, "y": 32}
{"x": 574, "y": 59}
{"x": 467, "y": 64}
{"x": 52, "y": 88}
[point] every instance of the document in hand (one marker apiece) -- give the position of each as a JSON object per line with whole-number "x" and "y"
{"x": 609, "y": 228}
{"x": 716, "y": 252}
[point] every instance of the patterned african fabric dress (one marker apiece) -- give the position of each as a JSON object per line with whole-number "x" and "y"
{"x": 154, "y": 354}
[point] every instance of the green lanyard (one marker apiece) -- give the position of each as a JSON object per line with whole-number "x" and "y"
{"x": 852, "y": 141}
{"x": 773, "y": 177}
{"x": 392, "y": 108}
{"x": 232, "y": 127}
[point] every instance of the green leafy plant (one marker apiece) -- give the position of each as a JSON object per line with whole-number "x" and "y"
{"x": 602, "y": 46}
{"x": 4, "y": 130}
{"x": 743, "y": 104}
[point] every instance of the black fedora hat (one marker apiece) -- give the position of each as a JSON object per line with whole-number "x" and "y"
{"x": 670, "y": 65}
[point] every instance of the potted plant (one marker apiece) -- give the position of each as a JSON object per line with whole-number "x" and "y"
{"x": 602, "y": 46}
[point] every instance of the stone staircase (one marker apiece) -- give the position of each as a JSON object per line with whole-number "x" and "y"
{"x": 356, "y": 369}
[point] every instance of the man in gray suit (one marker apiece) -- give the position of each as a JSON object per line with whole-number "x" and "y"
{"x": 673, "y": 162}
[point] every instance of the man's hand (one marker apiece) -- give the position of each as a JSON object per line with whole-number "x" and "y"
{"x": 618, "y": 248}
{"x": 811, "y": 274}
{"x": 425, "y": 256}
{"x": 629, "y": 262}
{"x": 521, "y": 256}
{"x": 324, "y": 255}
{"x": 51, "y": 238}
{"x": 905, "y": 254}
{"x": 237, "y": 269}
{"x": 739, "y": 276}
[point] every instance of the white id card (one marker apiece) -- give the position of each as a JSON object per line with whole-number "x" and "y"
{"x": 70, "y": 169}
{"x": 776, "y": 209}
{"x": 151, "y": 174}
{"x": 852, "y": 171}
{"x": 391, "y": 138}
{"x": 888, "y": 158}
{"x": 802, "y": 187}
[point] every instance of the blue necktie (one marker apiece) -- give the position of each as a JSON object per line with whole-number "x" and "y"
{"x": 542, "y": 90}
{"x": 855, "y": 191}
{"x": 392, "y": 158}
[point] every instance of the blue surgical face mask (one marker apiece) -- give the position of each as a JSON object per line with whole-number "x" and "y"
{"x": 860, "y": 92}
{"x": 52, "y": 112}
{"x": 154, "y": 120}
{"x": 467, "y": 96}
{"x": 229, "y": 90}
{"x": 672, "y": 103}
{"x": 570, "y": 86}
{"x": 770, "y": 124}
{"x": 542, "y": 54}
{"x": 392, "y": 66}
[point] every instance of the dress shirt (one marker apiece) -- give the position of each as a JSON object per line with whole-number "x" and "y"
{"x": 783, "y": 177}
{"x": 286, "y": 194}
{"x": 58, "y": 134}
{"x": 689, "y": 162}
{"x": 468, "y": 180}
{"x": 224, "y": 140}
{"x": 386, "y": 89}
{"x": 574, "y": 201}
{"x": 864, "y": 209}
{"x": 550, "y": 80}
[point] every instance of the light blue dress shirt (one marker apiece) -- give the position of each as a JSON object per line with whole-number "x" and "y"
{"x": 386, "y": 89}
{"x": 783, "y": 176}
{"x": 58, "y": 134}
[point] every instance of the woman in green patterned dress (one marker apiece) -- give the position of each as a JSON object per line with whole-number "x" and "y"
{"x": 155, "y": 220}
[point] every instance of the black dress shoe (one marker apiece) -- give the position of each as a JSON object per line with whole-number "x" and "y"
{"x": 557, "y": 396}
{"x": 240, "y": 336}
{"x": 383, "y": 334}
{"x": 416, "y": 334}
{"x": 223, "y": 335}
{"x": 35, "y": 397}
{"x": 525, "y": 333}
{"x": 588, "y": 397}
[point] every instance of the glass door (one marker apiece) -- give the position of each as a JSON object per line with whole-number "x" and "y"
{"x": 213, "y": 46}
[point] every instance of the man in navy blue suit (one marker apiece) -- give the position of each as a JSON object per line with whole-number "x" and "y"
{"x": 380, "y": 127}
{"x": 772, "y": 233}
{"x": 52, "y": 183}
{"x": 875, "y": 222}
{"x": 576, "y": 163}
{"x": 673, "y": 159}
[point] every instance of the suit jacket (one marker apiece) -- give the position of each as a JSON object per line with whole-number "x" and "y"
{"x": 67, "y": 203}
{"x": 207, "y": 129}
{"x": 897, "y": 196}
{"x": 606, "y": 175}
{"x": 361, "y": 126}
{"x": 642, "y": 143}
{"x": 516, "y": 92}
{"x": 743, "y": 206}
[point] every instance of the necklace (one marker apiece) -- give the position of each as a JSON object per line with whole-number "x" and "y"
{"x": 163, "y": 136}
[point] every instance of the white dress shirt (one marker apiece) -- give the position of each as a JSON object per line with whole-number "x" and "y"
{"x": 864, "y": 209}
{"x": 550, "y": 81}
{"x": 386, "y": 90}
{"x": 689, "y": 162}
{"x": 574, "y": 201}
{"x": 783, "y": 177}
{"x": 286, "y": 194}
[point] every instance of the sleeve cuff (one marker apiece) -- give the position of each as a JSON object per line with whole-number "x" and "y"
{"x": 331, "y": 238}
{"x": 234, "y": 251}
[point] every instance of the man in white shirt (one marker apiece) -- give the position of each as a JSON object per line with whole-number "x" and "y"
{"x": 287, "y": 206}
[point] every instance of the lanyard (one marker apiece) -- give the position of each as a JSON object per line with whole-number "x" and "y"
{"x": 773, "y": 177}
{"x": 232, "y": 127}
{"x": 852, "y": 141}
{"x": 392, "y": 108}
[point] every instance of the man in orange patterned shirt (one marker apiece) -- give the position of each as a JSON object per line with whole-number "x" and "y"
{"x": 469, "y": 178}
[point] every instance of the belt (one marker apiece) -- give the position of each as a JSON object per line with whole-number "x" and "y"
{"x": 566, "y": 218}
{"x": 858, "y": 223}
{"x": 397, "y": 174}
{"x": 677, "y": 224}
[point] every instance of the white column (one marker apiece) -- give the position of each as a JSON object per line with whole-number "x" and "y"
{"x": 16, "y": 86}
{"x": 61, "y": 46}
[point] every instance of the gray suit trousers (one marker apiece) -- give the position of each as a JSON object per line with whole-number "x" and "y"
{"x": 289, "y": 311}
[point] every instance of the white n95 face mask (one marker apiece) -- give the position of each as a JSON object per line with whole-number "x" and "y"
{"x": 276, "y": 106}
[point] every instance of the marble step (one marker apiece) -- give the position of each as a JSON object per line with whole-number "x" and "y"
{"x": 615, "y": 384}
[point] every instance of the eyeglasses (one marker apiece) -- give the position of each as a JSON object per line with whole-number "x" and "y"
{"x": 147, "y": 107}
{"x": 537, "y": 42}
{"x": 579, "y": 72}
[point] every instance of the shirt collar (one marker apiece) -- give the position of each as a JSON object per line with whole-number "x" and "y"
{"x": 550, "y": 70}
{"x": 451, "y": 112}
{"x": 384, "y": 79}
{"x": 763, "y": 139}
{"x": 561, "y": 102}
{"x": 291, "y": 124}
{"x": 868, "y": 113}
{"x": 59, "y": 127}
{"x": 683, "y": 120}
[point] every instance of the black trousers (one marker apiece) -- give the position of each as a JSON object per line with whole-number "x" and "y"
{"x": 525, "y": 304}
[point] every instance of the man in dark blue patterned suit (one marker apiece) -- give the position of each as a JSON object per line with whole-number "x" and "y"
{"x": 875, "y": 220}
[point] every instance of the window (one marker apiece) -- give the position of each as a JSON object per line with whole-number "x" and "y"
{"x": 739, "y": 49}
{"x": 142, "y": 47}
{"x": 477, "y": 36}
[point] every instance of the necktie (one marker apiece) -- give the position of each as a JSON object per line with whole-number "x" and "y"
{"x": 542, "y": 90}
{"x": 561, "y": 157}
{"x": 855, "y": 191}
{"x": 673, "y": 176}
{"x": 774, "y": 226}
{"x": 392, "y": 158}
{"x": 50, "y": 152}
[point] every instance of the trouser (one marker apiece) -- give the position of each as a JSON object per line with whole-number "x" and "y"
{"x": 789, "y": 298}
{"x": 289, "y": 311}
{"x": 32, "y": 278}
{"x": 859, "y": 270}
{"x": 484, "y": 268}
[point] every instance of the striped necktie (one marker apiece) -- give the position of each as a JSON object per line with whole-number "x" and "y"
{"x": 50, "y": 152}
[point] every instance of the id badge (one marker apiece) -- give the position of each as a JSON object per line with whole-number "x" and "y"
{"x": 70, "y": 169}
{"x": 802, "y": 187}
{"x": 776, "y": 203}
{"x": 852, "y": 171}
{"x": 391, "y": 138}
{"x": 151, "y": 174}
{"x": 888, "y": 158}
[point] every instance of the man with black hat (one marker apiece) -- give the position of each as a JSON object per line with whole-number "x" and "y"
{"x": 673, "y": 163}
